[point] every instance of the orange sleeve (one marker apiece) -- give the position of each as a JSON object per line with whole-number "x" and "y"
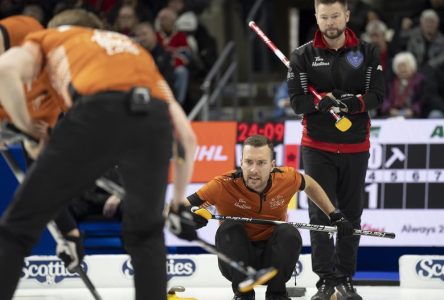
{"x": 211, "y": 191}
{"x": 18, "y": 27}
{"x": 298, "y": 178}
{"x": 43, "y": 102}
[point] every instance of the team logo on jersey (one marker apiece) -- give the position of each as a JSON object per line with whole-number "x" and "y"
{"x": 242, "y": 204}
{"x": 50, "y": 272}
{"x": 430, "y": 269}
{"x": 277, "y": 202}
{"x": 319, "y": 62}
{"x": 355, "y": 58}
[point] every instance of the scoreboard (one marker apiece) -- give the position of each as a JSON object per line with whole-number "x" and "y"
{"x": 405, "y": 176}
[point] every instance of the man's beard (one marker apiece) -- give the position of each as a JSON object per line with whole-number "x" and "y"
{"x": 333, "y": 33}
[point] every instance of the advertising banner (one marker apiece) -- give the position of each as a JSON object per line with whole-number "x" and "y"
{"x": 116, "y": 271}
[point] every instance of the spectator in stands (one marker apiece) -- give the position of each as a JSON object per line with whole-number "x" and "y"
{"x": 9, "y": 8}
{"x": 126, "y": 20}
{"x": 35, "y": 10}
{"x": 404, "y": 95}
{"x": 175, "y": 42}
{"x": 361, "y": 14}
{"x": 438, "y": 6}
{"x": 103, "y": 7}
{"x": 202, "y": 44}
{"x": 73, "y": 4}
{"x": 143, "y": 11}
{"x": 377, "y": 33}
{"x": 426, "y": 42}
{"x": 146, "y": 36}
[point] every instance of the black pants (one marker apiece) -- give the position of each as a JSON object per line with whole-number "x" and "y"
{"x": 281, "y": 251}
{"x": 97, "y": 133}
{"x": 342, "y": 176}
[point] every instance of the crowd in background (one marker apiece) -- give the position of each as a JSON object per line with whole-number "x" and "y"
{"x": 170, "y": 30}
{"x": 408, "y": 35}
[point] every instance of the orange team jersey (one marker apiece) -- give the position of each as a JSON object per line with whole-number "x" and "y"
{"x": 42, "y": 100}
{"x": 16, "y": 28}
{"x": 231, "y": 197}
{"x": 92, "y": 61}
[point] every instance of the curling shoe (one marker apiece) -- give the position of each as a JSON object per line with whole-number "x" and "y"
{"x": 346, "y": 291}
{"x": 326, "y": 289}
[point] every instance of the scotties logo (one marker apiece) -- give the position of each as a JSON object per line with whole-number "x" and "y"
{"x": 127, "y": 268}
{"x": 298, "y": 269}
{"x": 430, "y": 269}
{"x": 48, "y": 272}
{"x": 180, "y": 267}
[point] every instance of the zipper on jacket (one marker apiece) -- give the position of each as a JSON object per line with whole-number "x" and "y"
{"x": 262, "y": 198}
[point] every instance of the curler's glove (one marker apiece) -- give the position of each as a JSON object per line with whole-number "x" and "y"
{"x": 71, "y": 252}
{"x": 351, "y": 101}
{"x": 201, "y": 216}
{"x": 327, "y": 103}
{"x": 344, "y": 227}
{"x": 182, "y": 222}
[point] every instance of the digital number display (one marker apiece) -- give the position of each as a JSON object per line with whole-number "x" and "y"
{"x": 273, "y": 131}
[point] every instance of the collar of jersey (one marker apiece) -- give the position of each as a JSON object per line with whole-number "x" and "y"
{"x": 350, "y": 39}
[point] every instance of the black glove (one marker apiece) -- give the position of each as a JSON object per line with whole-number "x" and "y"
{"x": 338, "y": 219}
{"x": 350, "y": 100}
{"x": 71, "y": 252}
{"x": 182, "y": 223}
{"x": 327, "y": 103}
{"x": 198, "y": 219}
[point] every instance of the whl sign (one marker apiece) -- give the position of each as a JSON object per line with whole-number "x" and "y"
{"x": 215, "y": 151}
{"x": 210, "y": 153}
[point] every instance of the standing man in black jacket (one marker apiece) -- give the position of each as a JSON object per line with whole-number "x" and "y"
{"x": 347, "y": 73}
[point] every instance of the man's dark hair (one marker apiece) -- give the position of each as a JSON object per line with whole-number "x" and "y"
{"x": 259, "y": 141}
{"x": 343, "y": 2}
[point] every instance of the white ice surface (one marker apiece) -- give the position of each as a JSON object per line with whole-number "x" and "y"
{"x": 207, "y": 293}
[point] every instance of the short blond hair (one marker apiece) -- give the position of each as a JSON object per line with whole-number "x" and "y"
{"x": 76, "y": 17}
{"x": 404, "y": 57}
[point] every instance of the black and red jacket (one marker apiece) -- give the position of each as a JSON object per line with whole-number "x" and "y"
{"x": 354, "y": 69}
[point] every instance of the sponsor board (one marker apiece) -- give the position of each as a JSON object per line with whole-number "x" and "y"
{"x": 116, "y": 271}
{"x": 176, "y": 267}
{"x": 48, "y": 271}
{"x": 421, "y": 271}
